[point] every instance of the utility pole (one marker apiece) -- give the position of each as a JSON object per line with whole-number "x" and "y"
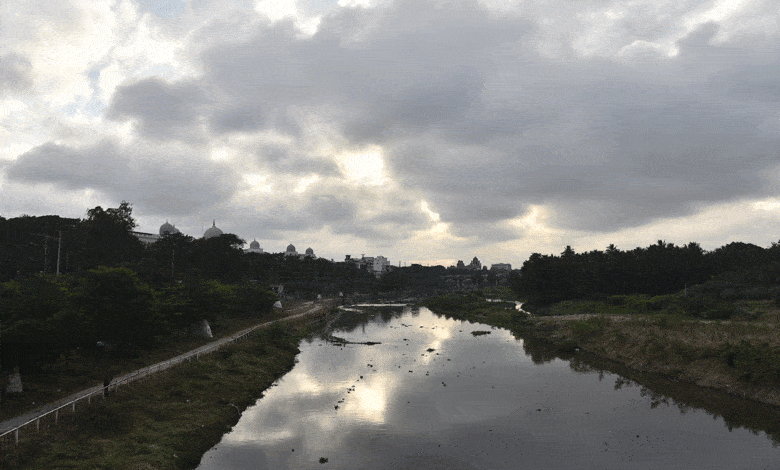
{"x": 59, "y": 250}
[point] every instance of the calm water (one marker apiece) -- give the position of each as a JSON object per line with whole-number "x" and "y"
{"x": 434, "y": 396}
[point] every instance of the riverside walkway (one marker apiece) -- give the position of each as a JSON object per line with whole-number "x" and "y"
{"x": 14, "y": 424}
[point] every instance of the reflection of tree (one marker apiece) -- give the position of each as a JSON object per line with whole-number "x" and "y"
{"x": 350, "y": 320}
{"x": 735, "y": 412}
{"x": 541, "y": 352}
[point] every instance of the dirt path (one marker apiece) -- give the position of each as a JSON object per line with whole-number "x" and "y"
{"x": 295, "y": 312}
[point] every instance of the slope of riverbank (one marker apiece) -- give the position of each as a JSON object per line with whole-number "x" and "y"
{"x": 80, "y": 369}
{"x": 170, "y": 419}
{"x": 741, "y": 357}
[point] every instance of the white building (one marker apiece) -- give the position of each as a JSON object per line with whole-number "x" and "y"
{"x": 254, "y": 247}
{"x": 380, "y": 265}
{"x": 213, "y": 231}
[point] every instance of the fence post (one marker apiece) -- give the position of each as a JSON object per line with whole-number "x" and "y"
{"x": 38, "y": 424}
{"x": 56, "y": 416}
{"x": 16, "y": 435}
{"x": 74, "y": 406}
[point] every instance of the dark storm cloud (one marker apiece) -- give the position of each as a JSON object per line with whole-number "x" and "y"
{"x": 94, "y": 167}
{"x": 163, "y": 111}
{"x": 164, "y": 180}
{"x": 15, "y": 73}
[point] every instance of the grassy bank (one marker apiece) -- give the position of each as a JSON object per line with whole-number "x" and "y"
{"x": 740, "y": 355}
{"x": 80, "y": 369}
{"x": 168, "y": 420}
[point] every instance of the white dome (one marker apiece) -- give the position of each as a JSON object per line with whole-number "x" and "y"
{"x": 167, "y": 228}
{"x": 213, "y": 231}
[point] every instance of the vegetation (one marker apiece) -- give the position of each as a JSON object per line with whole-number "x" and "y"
{"x": 733, "y": 272}
{"x": 168, "y": 420}
{"x": 89, "y": 291}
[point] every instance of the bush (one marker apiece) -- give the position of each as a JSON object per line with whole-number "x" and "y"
{"x": 756, "y": 364}
{"x": 589, "y": 328}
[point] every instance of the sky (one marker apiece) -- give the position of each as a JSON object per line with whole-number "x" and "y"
{"x": 423, "y": 131}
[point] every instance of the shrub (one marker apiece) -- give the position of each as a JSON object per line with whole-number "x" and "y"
{"x": 756, "y": 364}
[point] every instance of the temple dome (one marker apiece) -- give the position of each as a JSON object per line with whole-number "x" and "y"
{"x": 254, "y": 245}
{"x": 291, "y": 248}
{"x": 168, "y": 228}
{"x": 309, "y": 251}
{"x": 213, "y": 231}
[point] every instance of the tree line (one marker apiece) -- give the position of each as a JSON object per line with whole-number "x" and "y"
{"x": 735, "y": 270}
{"x": 78, "y": 283}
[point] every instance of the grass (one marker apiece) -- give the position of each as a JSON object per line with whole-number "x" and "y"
{"x": 81, "y": 369}
{"x": 168, "y": 420}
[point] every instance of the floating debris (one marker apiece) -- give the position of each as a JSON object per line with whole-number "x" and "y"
{"x": 480, "y": 333}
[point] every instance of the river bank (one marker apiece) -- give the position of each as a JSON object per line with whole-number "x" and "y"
{"x": 740, "y": 357}
{"x": 170, "y": 419}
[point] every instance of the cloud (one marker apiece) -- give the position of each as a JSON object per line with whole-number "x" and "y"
{"x": 605, "y": 116}
{"x": 162, "y": 111}
{"x": 165, "y": 180}
{"x": 15, "y": 73}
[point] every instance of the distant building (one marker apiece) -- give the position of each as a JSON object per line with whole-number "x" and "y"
{"x": 501, "y": 267}
{"x": 168, "y": 228}
{"x": 377, "y": 265}
{"x": 309, "y": 253}
{"x": 146, "y": 238}
{"x": 212, "y": 232}
{"x": 381, "y": 265}
{"x": 475, "y": 264}
{"x": 290, "y": 250}
{"x": 254, "y": 247}
{"x": 460, "y": 265}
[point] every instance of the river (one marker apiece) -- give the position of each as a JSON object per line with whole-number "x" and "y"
{"x": 434, "y": 395}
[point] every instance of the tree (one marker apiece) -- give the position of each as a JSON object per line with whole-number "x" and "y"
{"x": 115, "y": 306}
{"x": 219, "y": 257}
{"x": 106, "y": 238}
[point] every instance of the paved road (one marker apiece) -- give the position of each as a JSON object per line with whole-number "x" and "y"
{"x": 305, "y": 309}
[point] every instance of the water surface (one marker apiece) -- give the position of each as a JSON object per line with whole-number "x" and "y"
{"x": 433, "y": 395}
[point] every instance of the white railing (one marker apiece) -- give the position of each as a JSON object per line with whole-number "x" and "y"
{"x": 144, "y": 372}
